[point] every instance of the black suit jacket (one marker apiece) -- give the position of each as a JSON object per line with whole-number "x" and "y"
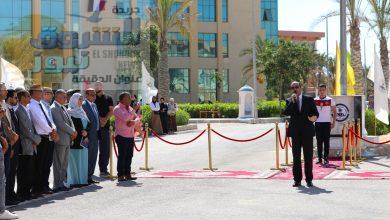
{"x": 79, "y": 128}
{"x": 299, "y": 122}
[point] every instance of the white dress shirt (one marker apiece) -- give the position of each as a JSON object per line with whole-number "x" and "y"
{"x": 46, "y": 105}
{"x": 38, "y": 118}
{"x": 300, "y": 102}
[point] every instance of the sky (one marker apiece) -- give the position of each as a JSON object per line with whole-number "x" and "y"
{"x": 301, "y": 15}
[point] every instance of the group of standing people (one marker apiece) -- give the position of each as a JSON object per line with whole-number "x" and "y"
{"x": 64, "y": 130}
{"x": 164, "y": 116}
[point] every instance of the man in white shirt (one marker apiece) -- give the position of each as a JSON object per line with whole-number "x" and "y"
{"x": 47, "y": 130}
{"x": 326, "y": 107}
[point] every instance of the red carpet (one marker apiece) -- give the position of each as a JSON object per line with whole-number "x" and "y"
{"x": 319, "y": 171}
{"x": 205, "y": 174}
{"x": 359, "y": 175}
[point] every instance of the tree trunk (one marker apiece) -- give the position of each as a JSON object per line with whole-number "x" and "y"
{"x": 356, "y": 56}
{"x": 219, "y": 86}
{"x": 384, "y": 58}
{"x": 163, "y": 73}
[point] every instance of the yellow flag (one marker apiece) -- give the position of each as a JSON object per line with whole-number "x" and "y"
{"x": 350, "y": 76}
{"x": 337, "y": 83}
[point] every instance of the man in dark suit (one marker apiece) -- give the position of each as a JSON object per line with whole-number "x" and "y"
{"x": 303, "y": 113}
{"x": 93, "y": 145}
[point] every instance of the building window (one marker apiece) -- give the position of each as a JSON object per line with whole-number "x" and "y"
{"x": 269, "y": 19}
{"x": 179, "y": 81}
{"x": 207, "y": 45}
{"x": 207, "y": 85}
{"x": 267, "y": 16}
{"x": 225, "y": 11}
{"x": 225, "y": 44}
{"x": 53, "y": 14}
{"x": 143, "y": 5}
{"x": 176, "y": 7}
{"x": 225, "y": 82}
{"x": 15, "y": 18}
{"x": 178, "y": 45}
{"x": 207, "y": 10}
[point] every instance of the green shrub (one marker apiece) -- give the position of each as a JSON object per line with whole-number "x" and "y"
{"x": 381, "y": 128}
{"x": 182, "y": 117}
{"x": 146, "y": 115}
{"x": 230, "y": 110}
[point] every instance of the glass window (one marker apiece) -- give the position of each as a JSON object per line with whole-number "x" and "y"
{"x": 207, "y": 10}
{"x": 225, "y": 82}
{"x": 207, "y": 45}
{"x": 15, "y": 18}
{"x": 178, "y": 45}
{"x": 207, "y": 85}
{"x": 176, "y": 7}
{"x": 143, "y": 5}
{"x": 53, "y": 14}
{"x": 179, "y": 81}
{"x": 225, "y": 11}
{"x": 225, "y": 44}
{"x": 269, "y": 19}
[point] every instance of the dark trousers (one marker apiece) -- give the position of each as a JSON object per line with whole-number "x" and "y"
{"x": 307, "y": 144}
{"x": 164, "y": 122}
{"x": 93, "y": 148}
{"x": 26, "y": 174}
{"x": 125, "y": 154}
{"x": 104, "y": 148}
{"x": 323, "y": 136}
{"x": 43, "y": 163}
{"x": 11, "y": 176}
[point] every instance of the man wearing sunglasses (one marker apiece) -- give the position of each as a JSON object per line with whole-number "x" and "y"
{"x": 303, "y": 113}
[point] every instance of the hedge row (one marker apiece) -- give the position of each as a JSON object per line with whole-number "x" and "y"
{"x": 230, "y": 110}
{"x": 381, "y": 128}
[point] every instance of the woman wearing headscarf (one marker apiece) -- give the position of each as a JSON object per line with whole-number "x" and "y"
{"x": 156, "y": 121}
{"x": 172, "y": 109}
{"x": 78, "y": 157}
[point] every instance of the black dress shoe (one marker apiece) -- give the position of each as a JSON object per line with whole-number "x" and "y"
{"x": 326, "y": 162}
{"x": 319, "y": 161}
{"x": 129, "y": 177}
{"x": 297, "y": 184}
{"x": 309, "y": 184}
{"x": 93, "y": 182}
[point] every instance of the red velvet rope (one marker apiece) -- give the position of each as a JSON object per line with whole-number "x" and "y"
{"x": 247, "y": 140}
{"x": 142, "y": 145}
{"x": 368, "y": 141}
{"x": 280, "y": 140}
{"x": 177, "y": 144}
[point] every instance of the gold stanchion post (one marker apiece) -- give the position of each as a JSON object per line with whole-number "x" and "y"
{"x": 146, "y": 167}
{"x": 286, "y": 163}
{"x": 209, "y": 149}
{"x": 359, "y": 142}
{"x": 112, "y": 176}
{"x": 344, "y": 144}
{"x": 277, "y": 163}
{"x": 350, "y": 150}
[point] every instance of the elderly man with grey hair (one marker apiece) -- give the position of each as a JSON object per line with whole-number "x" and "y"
{"x": 67, "y": 133}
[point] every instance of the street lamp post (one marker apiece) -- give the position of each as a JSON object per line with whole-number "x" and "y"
{"x": 254, "y": 72}
{"x": 343, "y": 45}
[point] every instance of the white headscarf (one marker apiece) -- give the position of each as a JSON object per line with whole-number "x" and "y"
{"x": 74, "y": 109}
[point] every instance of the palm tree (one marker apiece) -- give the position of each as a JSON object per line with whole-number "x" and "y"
{"x": 166, "y": 19}
{"x": 355, "y": 15}
{"x": 380, "y": 23}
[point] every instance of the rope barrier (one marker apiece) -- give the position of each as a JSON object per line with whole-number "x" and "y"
{"x": 142, "y": 145}
{"x": 247, "y": 140}
{"x": 177, "y": 144}
{"x": 280, "y": 140}
{"x": 368, "y": 141}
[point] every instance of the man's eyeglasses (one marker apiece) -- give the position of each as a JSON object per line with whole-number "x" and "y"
{"x": 294, "y": 87}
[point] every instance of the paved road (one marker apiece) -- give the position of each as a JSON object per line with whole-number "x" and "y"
{"x": 217, "y": 198}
